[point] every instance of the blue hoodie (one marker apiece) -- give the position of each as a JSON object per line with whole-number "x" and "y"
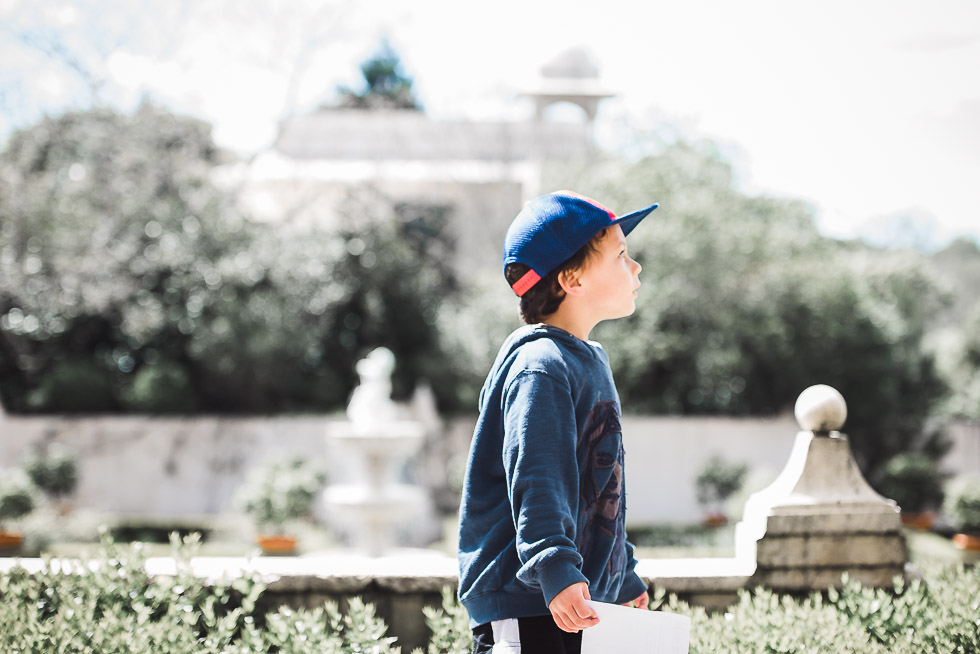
{"x": 544, "y": 495}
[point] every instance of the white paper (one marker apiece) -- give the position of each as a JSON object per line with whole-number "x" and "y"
{"x": 636, "y": 631}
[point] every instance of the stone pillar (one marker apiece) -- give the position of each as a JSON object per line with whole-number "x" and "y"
{"x": 820, "y": 518}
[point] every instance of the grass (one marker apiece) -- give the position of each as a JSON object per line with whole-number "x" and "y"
{"x": 926, "y": 547}
{"x": 76, "y": 534}
{"x": 683, "y": 541}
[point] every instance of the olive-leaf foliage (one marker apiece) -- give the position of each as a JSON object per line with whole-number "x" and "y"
{"x": 132, "y": 280}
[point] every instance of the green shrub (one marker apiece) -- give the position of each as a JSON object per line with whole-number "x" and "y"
{"x": 17, "y": 495}
{"x": 938, "y": 615}
{"x": 763, "y": 621}
{"x": 450, "y": 627}
{"x": 717, "y": 481}
{"x": 321, "y": 631}
{"x": 53, "y": 469}
{"x": 913, "y": 480}
{"x": 112, "y": 606}
{"x": 74, "y": 385}
{"x": 963, "y": 503}
{"x": 673, "y": 535}
{"x": 941, "y": 614}
{"x": 164, "y": 387}
{"x": 280, "y": 491}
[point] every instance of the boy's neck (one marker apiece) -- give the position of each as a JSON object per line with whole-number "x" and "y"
{"x": 577, "y": 325}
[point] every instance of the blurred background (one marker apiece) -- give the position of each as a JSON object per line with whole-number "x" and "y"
{"x": 214, "y": 209}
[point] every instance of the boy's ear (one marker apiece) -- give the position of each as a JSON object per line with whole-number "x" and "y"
{"x": 570, "y": 282}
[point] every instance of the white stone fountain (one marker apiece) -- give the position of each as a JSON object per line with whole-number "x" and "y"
{"x": 379, "y": 443}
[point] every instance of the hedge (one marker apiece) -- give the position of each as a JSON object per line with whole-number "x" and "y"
{"x": 111, "y": 605}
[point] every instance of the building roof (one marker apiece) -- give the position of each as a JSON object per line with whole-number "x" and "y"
{"x": 411, "y": 135}
{"x": 572, "y": 76}
{"x": 575, "y": 63}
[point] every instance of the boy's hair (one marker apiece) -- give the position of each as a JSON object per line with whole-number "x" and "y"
{"x": 544, "y": 298}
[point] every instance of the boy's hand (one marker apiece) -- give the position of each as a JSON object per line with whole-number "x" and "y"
{"x": 641, "y": 602}
{"x": 570, "y": 611}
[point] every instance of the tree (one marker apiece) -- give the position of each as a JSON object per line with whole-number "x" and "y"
{"x": 960, "y": 361}
{"x": 959, "y": 265}
{"x": 385, "y": 84}
{"x": 744, "y": 305}
{"x": 103, "y": 222}
{"x": 130, "y": 282}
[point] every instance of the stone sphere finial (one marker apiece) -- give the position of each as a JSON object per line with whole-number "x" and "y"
{"x": 820, "y": 409}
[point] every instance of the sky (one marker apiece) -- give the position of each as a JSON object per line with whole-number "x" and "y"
{"x": 867, "y": 109}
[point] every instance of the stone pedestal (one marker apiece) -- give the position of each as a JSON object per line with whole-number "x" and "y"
{"x": 820, "y": 518}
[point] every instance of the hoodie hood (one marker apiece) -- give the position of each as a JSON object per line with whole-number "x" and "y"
{"x": 540, "y": 341}
{"x": 529, "y": 333}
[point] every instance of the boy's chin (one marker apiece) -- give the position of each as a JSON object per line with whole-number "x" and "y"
{"x": 627, "y": 311}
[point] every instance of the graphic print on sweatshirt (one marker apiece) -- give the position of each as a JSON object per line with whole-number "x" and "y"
{"x": 602, "y": 486}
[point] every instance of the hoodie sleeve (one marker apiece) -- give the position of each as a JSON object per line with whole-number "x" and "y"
{"x": 633, "y": 586}
{"x": 542, "y": 478}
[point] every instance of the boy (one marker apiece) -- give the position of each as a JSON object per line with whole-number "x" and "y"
{"x": 543, "y": 510}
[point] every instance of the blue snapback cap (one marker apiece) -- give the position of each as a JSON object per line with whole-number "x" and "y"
{"x": 553, "y": 227}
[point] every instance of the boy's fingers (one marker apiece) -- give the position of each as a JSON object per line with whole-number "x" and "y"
{"x": 572, "y": 623}
{"x": 564, "y": 622}
{"x": 571, "y": 627}
{"x": 582, "y": 615}
{"x": 574, "y": 618}
{"x": 583, "y": 611}
{"x": 570, "y": 611}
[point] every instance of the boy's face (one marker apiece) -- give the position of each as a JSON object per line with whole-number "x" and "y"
{"x": 610, "y": 278}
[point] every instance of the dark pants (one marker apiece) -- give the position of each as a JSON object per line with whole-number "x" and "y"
{"x": 539, "y": 635}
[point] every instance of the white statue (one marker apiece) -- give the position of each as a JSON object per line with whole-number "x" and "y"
{"x": 371, "y": 402}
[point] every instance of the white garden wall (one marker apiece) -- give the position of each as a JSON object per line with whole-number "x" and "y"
{"x": 174, "y": 467}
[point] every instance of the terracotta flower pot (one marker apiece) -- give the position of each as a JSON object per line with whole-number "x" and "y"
{"x": 916, "y": 520}
{"x": 715, "y": 519}
{"x": 276, "y": 544}
{"x": 9, "y": 540}
{"x": 968, "y": 542}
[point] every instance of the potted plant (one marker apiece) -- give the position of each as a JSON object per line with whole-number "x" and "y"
{"x": 913, "y": 480}
{"x": 962, "y": 506}
{"x": 276, "y": 494}
{"x": 17, "y": 499}
{"x": 54, "y": 470}
{"x": 716, "y": 482}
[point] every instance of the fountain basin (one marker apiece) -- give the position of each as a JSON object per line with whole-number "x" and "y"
{"x": 375, "y": 512}
{"x": 389, "y": 438}
{"x": 390, "y": 501}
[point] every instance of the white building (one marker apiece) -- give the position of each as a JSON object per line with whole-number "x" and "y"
{"x": 477, "y": 174}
